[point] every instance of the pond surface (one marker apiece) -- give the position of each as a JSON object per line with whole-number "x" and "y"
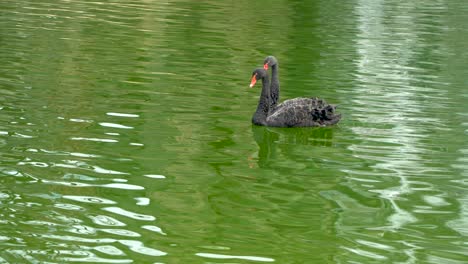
{"x": 125, "y": 132}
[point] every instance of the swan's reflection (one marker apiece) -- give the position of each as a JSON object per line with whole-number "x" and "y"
{"x": 270, "y": 139}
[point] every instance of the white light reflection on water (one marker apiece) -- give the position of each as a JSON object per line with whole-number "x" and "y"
{"x": 106, "y": 171}
{"x": 155, "y": 176}
{"x": 72, "y": 164}
{"x": 373, "y": 47}
{"x": 71, "y": 207}
{"x": 89, "y": 199}
{"x": 78, "y": 120}
{"x": 143, "y": 201}
{"x": 123, "y": 212}
{"x": 83, "y": 155}
{"x": 154, "y": 229}
{"x": 113, "y": 125}
{"x": 83, "y": 255}
{"x": 391, "y": 111}
{"x": 105, "y": 140}
{"x": 133, "y": 245}
{"x": 122, "y": 114}
{"x": 220, "y": 256}
{"x": 120, "y": 232}
{"x": 460, "y": 224}
{"x": 105, "y": 220}
{"x": 138, "y": 247}
{"x": 107, "y": 185}
{"x": 109, "y": 250}
{"x": 92, "y": 258}
{"x": 365, "y": 253}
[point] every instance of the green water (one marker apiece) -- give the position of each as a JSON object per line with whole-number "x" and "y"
{"x": 125, "y": 132}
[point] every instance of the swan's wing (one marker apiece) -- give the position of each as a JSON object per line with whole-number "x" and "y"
{"x": 303, "y": 112}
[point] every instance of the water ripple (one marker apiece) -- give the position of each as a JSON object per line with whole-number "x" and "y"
{"x": 108, "y": 185}
{"x": 109, "y": 250}
{"x": 105, "y": 220}
{"x": 366, "y": 254}
{"x": 120, "y": 232}
{"x": 138, "y": 247}
{"x": 89, "y": 199}
{"x": 99, "y": 97}
{"x": 120, "y": 211}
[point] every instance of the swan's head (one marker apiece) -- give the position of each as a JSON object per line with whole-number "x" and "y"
{"x": 257, "y": 74}
{"x": 269, "y": 62}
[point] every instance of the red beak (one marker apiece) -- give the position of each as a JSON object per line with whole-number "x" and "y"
{"x": 265, "y": 66}
{"x": 253, "y": 81}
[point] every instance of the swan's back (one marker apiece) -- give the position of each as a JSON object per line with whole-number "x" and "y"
{"x": 302, "y": 112}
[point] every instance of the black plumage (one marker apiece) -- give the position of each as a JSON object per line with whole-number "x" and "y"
{"x": 297, "y": 112}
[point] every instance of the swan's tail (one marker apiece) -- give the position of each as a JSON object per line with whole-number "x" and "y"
{"x": 329, "y": 115}
{"x": 336, "y": 118}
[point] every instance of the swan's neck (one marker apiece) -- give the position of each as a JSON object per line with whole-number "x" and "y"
{"x": 259, "y": 117}
{"x": 275, "y": 86}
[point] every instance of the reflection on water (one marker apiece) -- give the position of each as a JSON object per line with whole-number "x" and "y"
{"x": 400, "y": 103}
{"x": 273, "y": 143}
{"x": 125, "y": 133}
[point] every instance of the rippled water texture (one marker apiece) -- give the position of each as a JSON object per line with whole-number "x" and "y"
{"x": 125, "y": 132}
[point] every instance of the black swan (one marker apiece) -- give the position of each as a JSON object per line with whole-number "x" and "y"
{"x": 297, "y": 112}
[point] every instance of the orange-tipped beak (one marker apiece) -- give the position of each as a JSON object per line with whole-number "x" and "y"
{"x": 265, "y": 66}
{"x": 253, "y": 81}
